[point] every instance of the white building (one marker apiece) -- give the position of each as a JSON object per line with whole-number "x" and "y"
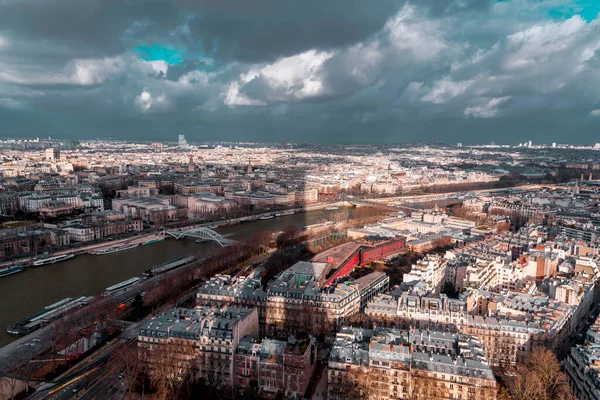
{"x": 430, "y": 271}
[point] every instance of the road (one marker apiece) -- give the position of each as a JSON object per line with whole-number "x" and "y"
{"x": 103, "y": 383}
{"x": 137, "y": 239}
{"x": 93, "y": 377}
{"x": 30, "y": 345}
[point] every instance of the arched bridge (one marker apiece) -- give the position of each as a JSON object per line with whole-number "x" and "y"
{"x": 201, "y": 234}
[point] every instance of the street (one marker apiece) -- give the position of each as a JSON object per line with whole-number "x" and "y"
{"x": 95, "y": 377}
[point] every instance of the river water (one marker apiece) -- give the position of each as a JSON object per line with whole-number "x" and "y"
{"x": 26, "y": 293}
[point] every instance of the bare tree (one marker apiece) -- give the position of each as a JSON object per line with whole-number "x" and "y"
{"x": 129, "y": 362}
{"x": 59, "y": 335}
{"x": 540, "y": 378}
{"x": 523, "y": 384}
{"x": 11, "y": 382}
{"x": 144, "y": 370}
{"x": 213, "y": 368}
{"x": 26, "y": 368}
{"x": 503, "y": 227}
{"x": 360, "y": 383}
{"x": 423, "y": 387}
{"x": 7, "y": 378}
{"x": 171, "y": 367}
{"x": 370, "y": 384}
{"x": 439, "y": 243}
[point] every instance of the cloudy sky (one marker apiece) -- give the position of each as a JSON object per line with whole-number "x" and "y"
{"x": 302, "y": 70}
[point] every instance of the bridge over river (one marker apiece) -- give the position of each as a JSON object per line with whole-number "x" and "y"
{"x": 200, "y": 234}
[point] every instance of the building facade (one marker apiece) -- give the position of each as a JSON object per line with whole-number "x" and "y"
{"x": 406, "y": 364}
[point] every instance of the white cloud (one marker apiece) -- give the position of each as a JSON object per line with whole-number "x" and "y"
{"x": 363, "y": 61}
{"x": 83, "y": 72}
{"x": 296, "y": 77}
{"x": 543, "y": 65}
{"x": 467, "y": 64}
{"x": 195, "y": 77}
{"x": 412, "y": 32}
{"x": 159, "y": 66}
{"x": 233, "y": 97}
{"x": 538, "y": 43}
{"x": 487, "y": 110}
{"x": 94, "y": 71}
{"x": 445, "y": 90}
{"x": 291, "y": 78}
{"x": 147, "y": 103}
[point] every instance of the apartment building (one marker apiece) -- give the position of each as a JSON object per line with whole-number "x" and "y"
{"x": 582, "y": 366}
{"x": 430, "y": 271}
{"x": 200, "y": 342}
{"x": 405, "y": 311}
{"x": 278, "y": 368}
{"x": 297, "y": 300}
{"x": 137, "y": 191}
{"x": 400, "y": 364}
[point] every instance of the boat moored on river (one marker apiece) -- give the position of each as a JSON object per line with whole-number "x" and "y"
{"x": 282, "y": 214}
{"x": 111, "y": 250}
{"x": 169, "y": 265}
{"x": 120, "y": 286}
{"x": 48, "y": 314}
{"x": 13, "y": 269}
{"x": 52, "y": 260}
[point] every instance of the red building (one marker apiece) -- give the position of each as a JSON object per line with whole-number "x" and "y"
{"x": 345, "y": 257}
{"x": 275, "y": 368}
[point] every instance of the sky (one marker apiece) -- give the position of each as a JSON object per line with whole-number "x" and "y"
{"x": 333, "y": 71}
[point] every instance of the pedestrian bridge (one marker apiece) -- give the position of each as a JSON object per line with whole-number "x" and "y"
{"x": 203, "y": 234}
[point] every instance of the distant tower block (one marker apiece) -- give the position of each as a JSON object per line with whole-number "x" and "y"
{"x": 191, "y": 166}
{"x": 590, "y": 178}
{"x": 249, "y": 170}
{"x": 182, "y": 142}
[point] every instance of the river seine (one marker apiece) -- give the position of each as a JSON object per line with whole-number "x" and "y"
{"x": 26, "y": 293}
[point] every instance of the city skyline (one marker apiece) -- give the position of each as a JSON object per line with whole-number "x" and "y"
{"x": 413, "y": 259}
{"x": 440, "y": 71}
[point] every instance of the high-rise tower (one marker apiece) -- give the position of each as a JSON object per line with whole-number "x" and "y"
{"x": 191, "y": 166}
{"x": 182, "y": 142}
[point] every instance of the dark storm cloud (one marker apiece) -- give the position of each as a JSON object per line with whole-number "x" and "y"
{"x": 264, "y": 30}
{"x": 88, "y": 28}
{"x": 312, "y": 70}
